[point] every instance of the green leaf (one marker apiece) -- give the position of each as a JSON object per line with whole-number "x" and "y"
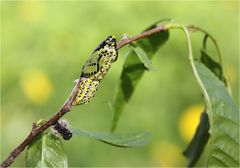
{"x": 201, "y": 136}
{"x": 224, "y": 119}
{"x": 222, "y": 112}
{"x": 157, "y": 22}
{"x": 199, "y": 140}
{"x": 133, "y": 70}
{"x": 117, "y": 139}
{"x": 214, "y": 66}
{"x": 46, "y": 151}
{"x": 143, "y": 57}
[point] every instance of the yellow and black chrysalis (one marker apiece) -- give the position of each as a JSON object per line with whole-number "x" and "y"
{"x": 95, "y": 69}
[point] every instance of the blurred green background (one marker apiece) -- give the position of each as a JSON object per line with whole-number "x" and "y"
{"x": 44, "y": 44}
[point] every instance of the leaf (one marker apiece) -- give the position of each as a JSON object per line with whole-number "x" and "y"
{"x": 133, "y": 70}
{"x": 143, "y": 57}
{"x": 201, "y": 136}
{"x": 222, "y": 113}
{"x": 224, "y": 120}
{"x": 117, "y": 139}
{"x": 199, "y": 140}
{"x": 212, "y": 65}
{"x": 157, "y": 22}
{"x": 46, "y": 151}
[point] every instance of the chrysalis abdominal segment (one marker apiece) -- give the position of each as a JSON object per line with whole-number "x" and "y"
{"x": 95, "y": 69}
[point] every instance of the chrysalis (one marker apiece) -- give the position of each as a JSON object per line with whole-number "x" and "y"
{"x": 95, "y": 69}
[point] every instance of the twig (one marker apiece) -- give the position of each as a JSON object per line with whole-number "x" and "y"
{"x": 224, "y": 77}
{"x": 126, "y": 41}
{"x": 195, "y": 28}
{"x": 68, "y": 104}
{"x": 37, "y": 130}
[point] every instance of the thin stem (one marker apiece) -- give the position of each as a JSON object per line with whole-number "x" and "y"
{"x": 190, "y": 54}
{"x": 126, "y": 41}
{"x": 195, "y": 70}
{"x": 207, "y": 35}
{"x": 213, "y": 40}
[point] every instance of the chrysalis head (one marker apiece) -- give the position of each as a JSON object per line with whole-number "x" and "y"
{"x": 110, "y": 42}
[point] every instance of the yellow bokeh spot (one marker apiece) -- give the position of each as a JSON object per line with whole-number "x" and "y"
{"x": 36, "y": 86}
{"x": 189, "y": 121}
{"x": 167, "y": 154}
{"x": 31, "y": 11}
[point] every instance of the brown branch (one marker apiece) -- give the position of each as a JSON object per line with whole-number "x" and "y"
{"x": 38, "y": 130}
{"x": 126, "y": 41}
{"x": 68, "y": 104}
